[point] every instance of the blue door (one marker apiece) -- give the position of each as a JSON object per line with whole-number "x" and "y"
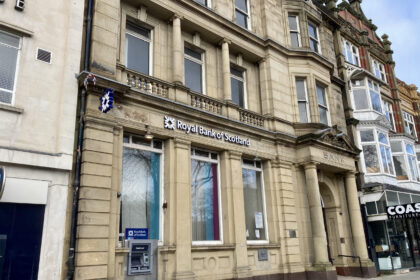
{"x": 20, "y": 240}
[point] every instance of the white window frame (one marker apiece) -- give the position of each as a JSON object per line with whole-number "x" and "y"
{"x": 246, "y": 13}
{"x": 327, "y": 107}
{"x": 409, "y": 118}
{"x": 301, "y": 101}
{"x": 150, "y": 148}
{"x": 378, "y": 70}
{"x": 243, "y": 80}
{"x": 13, "y": 92}
{"x": 367, "y": 88}
{"x": 354, "y": 52}
{"x": 219, "y": 199}
{"x": 373, "y": 86}
{"x": 202, "y": 64}
{"x": 259, "y": 169}
{"x": 140, "y": 37}
{"x": 404, "y": 153}
{"x": 316, "y": 26}
{"x": 297, "y": 31}
{"x": 388, "y": 110}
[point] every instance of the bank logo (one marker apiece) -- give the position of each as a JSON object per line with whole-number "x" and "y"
{"x": 169, "y": 123}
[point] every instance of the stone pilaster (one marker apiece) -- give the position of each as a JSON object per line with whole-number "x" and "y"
{"x": 178, "y": 53}
{"x": 226, "y": 70}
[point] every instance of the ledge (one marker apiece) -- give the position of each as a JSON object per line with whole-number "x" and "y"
{"x": 10, "y": 108}
{"x": 212, "y": 247}
{"x": 16, "y": 29}
{"x": 264, "y": 246}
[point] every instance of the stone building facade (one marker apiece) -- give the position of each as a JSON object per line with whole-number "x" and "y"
{"x": 250, "y": 172}
{"x": 382, "y": 112}
{"x": 40, "y": 45}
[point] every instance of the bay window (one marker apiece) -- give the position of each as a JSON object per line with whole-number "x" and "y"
{"x": 255, "y": 217}
{"x": 350, "y": 52}
{"x": 141, "y": 185}
{"x": 138, "y": 42}
{"x": 378, "y": 70}
{"x": 409, "y": 124}
{"x": 302, "y": 98}
{"x": 405, "y": 161}
{"x": 205, "y": 198}
{"x": 370, "y": 151}
{"x": 294, "y": 31}
{"x": 364, "y": 101}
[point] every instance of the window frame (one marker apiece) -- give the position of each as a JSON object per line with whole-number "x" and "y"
{"x": 200, "y": 62}
{"x": 19, "y": 50}
{"x": 139, "y": 37}
{"x": 379, "y": 71}
{"x": 389, "y": 111}
{"x": 326, "y": 106}
{"x": 258, "y": 169}
{"x": 345, "y": 50}
{"x": 161, "y": 151}
{"x": 294, "y": 31}
{"x": 193, "y": 156}
{"x": 308, "y": 115}
{"x": 318, "y": 43}
{"x": 403, "y": 144}
{"x": 368, "y": 95}
{"x": 246, "y": 13}
{"x": 409, "y": 119}
{"x": 232, "y": 76}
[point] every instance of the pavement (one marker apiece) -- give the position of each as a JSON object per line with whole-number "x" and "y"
{"x": 414, "y": 275}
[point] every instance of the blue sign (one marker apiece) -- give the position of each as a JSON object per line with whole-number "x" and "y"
{"x": 136, "y": 233}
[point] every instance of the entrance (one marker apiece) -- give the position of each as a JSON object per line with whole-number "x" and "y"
{"x": 20, "y": 240}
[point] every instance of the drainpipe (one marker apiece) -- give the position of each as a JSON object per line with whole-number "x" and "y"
{"x": 76, "y": 180}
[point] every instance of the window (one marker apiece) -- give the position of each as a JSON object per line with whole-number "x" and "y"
{"x": 294, "y": 31}
{"x": 360, "y": 98}
{"x": 302, "y": 98}
{"x": 138, "y": 48}
{"x": 385, "y": 152}
{"x": 242, "y": 13}
{"x": 378, "y": 70}
{"x": 350, "y": 52}
{"x": 375, "y": 97}
{"x": 405, "y": 161}
{"x": 206, "y": 3}
{"x": 194, "y": 77}
{"x": 255, "y": 221}
{"x": 389, "y": 113}
{"x": 314, "y": 37}
{"x": 9, "y": 56}
{"x": 237, "y": 82}
{"x": 370, "y": 153}
{"x": 141, "y": 185}
{"x": 205, "y": 196}
{"x": 409, "y": 124}
{"x": 322, "y": 104}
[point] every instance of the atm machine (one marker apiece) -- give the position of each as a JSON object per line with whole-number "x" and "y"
{"x": 142, "y": 259}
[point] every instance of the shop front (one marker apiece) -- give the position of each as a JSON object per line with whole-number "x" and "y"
{"x": 393, "y": 218}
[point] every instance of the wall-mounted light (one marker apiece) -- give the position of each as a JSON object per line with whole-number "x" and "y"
{"x": 149, "y": 135}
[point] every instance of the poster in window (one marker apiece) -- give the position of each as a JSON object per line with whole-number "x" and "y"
{"x": 259, "y": 220}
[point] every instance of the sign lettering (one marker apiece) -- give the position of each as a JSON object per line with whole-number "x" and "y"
{"x": 411, "y": 210}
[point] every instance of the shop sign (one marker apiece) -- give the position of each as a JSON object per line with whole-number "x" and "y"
{"x": 2, "y": 180}
{"x": 136, "y": 233}
{"x": 411, "y": 210}
{"x": 172, "y": 124}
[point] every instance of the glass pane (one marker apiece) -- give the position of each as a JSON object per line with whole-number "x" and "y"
{"x": 8, "y": 59}
{"x": 254, "y": 207}
{"x": 202, "y": 2}
{"x": 293, "y": 23}
{"x": 400, "y": 167}
{"x": 137, "y": 54}
{"x": 6, "y": 96}
{"x": 237, "y": 92}
{"x": 389, "y": 160}
{"x": 396, "y": 147}
{"x": 371, "y": 208}
{"x": 382, "y": 138}
{"x": 192, "y": 53}
{"x": 241, "y": 4}
{"x": 138, "y": 29}
{"x": 241, "y": 19}
{"x": 360, "y": 99}
{"x": 313, "y": 45}
{"x": 392, "y": 198}
{"x": 9, "y": 40}
{"x": 323, "y": 115}
{"x": 204, "y": 201}
{"x": 409, "y": 149}
{"x": 383, "y": 156}
{"x": 418, "y": 156}
{"x": 236, "y": 72}
{"x": 300, "y": 88}
{"x": 140, "y": 199}
{"x": 294, "y": 38}
{"x": 371, "y": 159}
{"x": 381, "y": 205}
{"x": 405, "y": 198}
{"x": 367, "y": 136}
{"x": 321, "y": 95}
{"x": 193, "y": 76}
{"x": 303, "y": 113}
{"x": 312, "y": 31}
{"x": 376, "y": 101}
{"x": 415, "y": 198}
{"x": 413, "y": 168}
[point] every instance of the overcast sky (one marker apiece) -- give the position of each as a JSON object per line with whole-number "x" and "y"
{"x": 400, "y": 19}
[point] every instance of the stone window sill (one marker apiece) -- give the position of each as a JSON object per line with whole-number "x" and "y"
{"x": 10, "y": 108}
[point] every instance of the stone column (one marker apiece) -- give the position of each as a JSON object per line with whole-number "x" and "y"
{"x": 319, "y": 236}
{"x": 226, "y": 70}
{"x": 183, "y": 235}
{"x": 178, "y": 53}
{"x": 355, "y": 217}
{"x": 241, "y": 253}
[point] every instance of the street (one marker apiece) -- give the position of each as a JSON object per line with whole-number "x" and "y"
{"x": 415, "y": 275}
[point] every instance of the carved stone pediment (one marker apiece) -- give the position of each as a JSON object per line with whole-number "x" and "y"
{"x": 332, "y": 137}
{"x": 380, "y": 121}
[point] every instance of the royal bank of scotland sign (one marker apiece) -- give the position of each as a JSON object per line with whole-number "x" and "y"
{"x": 411, "y": 210}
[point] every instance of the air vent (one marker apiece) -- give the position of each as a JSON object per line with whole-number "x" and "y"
{"x": 44, "y": 55}
{"x": 20, "y": 5}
